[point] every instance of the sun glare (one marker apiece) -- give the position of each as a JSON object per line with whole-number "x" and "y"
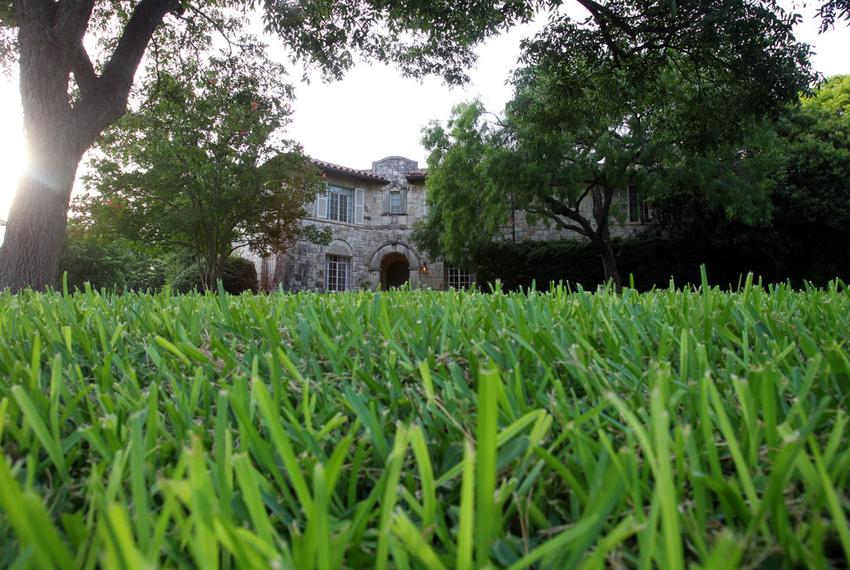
{"x": 12, "y": 151}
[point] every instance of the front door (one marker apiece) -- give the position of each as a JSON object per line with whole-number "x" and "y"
{"x": 395, "y": 271}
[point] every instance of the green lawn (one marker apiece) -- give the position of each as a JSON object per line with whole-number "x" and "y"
{"x": 426, "y": 430}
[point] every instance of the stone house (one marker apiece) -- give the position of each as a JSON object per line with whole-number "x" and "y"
{"x": 371, "y": 215}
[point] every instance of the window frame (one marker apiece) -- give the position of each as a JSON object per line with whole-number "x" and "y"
{"x": 456, "y": 278}
{"x": 638, "y": 209}
{"x": 397, "y": 207}
{"x": 333, "y": 279}
{"x": 335, "y": 195}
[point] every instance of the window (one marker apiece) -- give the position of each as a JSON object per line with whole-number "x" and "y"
{"x": 395, "y": 202}
{"x": 638, "y": 208}
{"x": 340, "y": 204}
{"x": 458, "y": 279}
{"x": 266, "y": 273}
{"x": 338, "y": 273}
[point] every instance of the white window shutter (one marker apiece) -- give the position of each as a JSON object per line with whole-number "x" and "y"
{"x": 322, "y": 206}
{"x": 359, "y": 205}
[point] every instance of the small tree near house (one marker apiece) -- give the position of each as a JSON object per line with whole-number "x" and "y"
{"x": 202, "y": 166}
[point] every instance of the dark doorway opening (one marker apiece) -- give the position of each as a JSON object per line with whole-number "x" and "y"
{"x": 395, "y": 271}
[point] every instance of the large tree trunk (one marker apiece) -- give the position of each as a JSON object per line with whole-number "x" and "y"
{"x": 602, "y": 198}
{"x": 36, "y": 229}
{"x": 599, "y": 236}
{"x": 609, "y": 264}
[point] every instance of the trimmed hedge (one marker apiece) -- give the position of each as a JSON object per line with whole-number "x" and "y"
{"x": 238, "y": 275}
{"x": 651, "y": 261}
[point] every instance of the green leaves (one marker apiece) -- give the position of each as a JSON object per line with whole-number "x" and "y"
{"x": 669, "y": 429}
{"x": 201, "y": 167}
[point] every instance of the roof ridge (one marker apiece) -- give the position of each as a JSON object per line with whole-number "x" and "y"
{"x": 323, "y": 164}
{"x": 366, "y": 173}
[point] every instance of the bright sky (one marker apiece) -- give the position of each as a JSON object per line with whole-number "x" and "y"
{"x": 373, "y": 112}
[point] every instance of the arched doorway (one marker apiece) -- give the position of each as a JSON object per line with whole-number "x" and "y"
{"x": 395, "y": 271}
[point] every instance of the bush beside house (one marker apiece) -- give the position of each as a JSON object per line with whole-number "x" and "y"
{"x": 238, "y": 275}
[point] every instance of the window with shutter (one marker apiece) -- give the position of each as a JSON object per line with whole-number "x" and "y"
{"x": 322, "y": 206}
{"x": 359, "y": 205}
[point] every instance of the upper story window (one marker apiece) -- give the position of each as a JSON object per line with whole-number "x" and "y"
{"x": 457, "y": 278}
{"x": 395, "y": 202}
{"x": 638, "y": 208}
{"x": 340, "y": 204}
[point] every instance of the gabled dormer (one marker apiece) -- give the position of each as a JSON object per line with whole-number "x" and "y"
{"x": 394, "y": 199}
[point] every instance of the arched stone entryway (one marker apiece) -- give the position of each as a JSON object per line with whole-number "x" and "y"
{"x": 394, "y": 264}
{"x": 395, "y": 271}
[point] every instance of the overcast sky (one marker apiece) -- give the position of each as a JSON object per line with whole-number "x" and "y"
{"x": 374, "y": 112}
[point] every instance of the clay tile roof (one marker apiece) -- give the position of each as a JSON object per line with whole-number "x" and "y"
{"x": 346, "y": 171}
{"x": 419, "y": 173}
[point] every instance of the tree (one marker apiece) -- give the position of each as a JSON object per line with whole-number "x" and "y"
{"x": 202, "y": 165}
{"x": 811, "y": 204}
{"x": 601, "y": 109}
{"x": 78, "y": 59}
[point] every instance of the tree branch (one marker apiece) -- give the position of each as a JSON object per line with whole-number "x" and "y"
{"x": 108, "y": 102}
{"x": 571, "y": 227}
{"x": 584, "y": 195}
{"x": 72, "y": 20}
{"x": 557, "y": 207}
{"x": 83, "y": 70}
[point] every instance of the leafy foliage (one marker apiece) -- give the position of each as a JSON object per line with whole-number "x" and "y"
{"x": 202, "y": 164}
{"x": 655, "y": 98}
{"x": 651, "y": 261}
{"x": 832, "y": 12}
{"x": 695, "y": 428}
{"x": 817, "y": 148}
{"x": 106, "y": 263}
{"x": 238, "y": 275}
{"x": 810, "y": 203}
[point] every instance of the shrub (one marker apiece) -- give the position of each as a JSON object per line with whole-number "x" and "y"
{"x": 112, "y": 266}
{"x": 653, "y": 261}
{"x": 237, "y": 276}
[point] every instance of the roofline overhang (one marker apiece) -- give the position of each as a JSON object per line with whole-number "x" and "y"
{"x": 345, "y": 172}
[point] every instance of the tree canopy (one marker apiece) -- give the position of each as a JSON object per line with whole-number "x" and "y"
{"x": 601, "y": 109}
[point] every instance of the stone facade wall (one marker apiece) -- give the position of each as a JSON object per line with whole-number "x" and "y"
{"x": 520, "y": 229}
{"x": 383, "y": 234}
{"x": 303, "y": 267}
